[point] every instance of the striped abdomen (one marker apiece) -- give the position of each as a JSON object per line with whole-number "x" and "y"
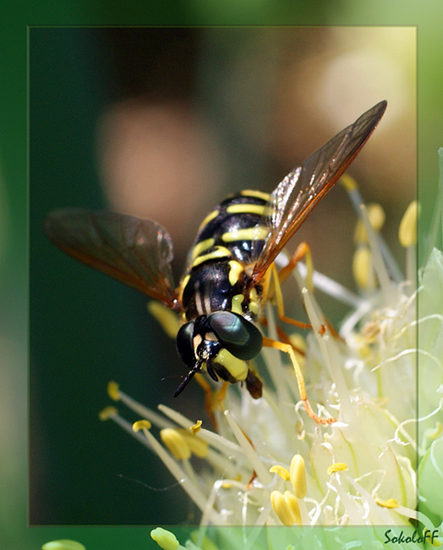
{"x": 229, "y": 239}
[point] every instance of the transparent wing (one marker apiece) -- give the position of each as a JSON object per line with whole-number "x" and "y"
{"x": 133, "y": 251}
{"x": 304, "y": 187}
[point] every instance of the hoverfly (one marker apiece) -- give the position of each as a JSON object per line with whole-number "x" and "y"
{"x": 221, "y": 293}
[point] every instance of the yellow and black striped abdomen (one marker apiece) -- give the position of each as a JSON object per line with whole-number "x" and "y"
{"x": 230, "y": 238}
{"x": 236, "y": 224}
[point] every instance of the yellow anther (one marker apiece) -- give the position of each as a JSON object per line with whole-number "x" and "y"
{"x": 165, "y": 317}
{"x": 337, "y": 467}
{"x": 113, "y": 391}
{"x": 286, "y": 507}
{"x": 63, "y": 545}
{"x": 197, "y": 446}
{"x": 407, "y": 232}
{"x": 348, "y": 182}
{"x": 107, "y": 412}
{"x": 206, "y": 543}
{"x": 165, "y": 539}
{"x": 176, "y": 444}
{"x": 281, "y": 471}
{"x": 390, "y": 503}
{"x": 297, "y": 473}
{"x": 376, "y": 217}
{"x": 196, "y": 427}
{"x": 362, "y": 268}
{"x": 141, "y": 425}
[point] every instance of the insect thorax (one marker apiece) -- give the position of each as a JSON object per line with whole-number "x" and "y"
{"x": 229, "y": 241}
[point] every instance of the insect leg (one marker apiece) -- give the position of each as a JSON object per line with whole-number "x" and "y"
{"x": 303, "y": 251}
{"x": 287, "y": 348}
{"x": 279, "y": 300}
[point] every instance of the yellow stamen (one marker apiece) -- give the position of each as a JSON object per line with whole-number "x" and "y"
{"x": 165, "y": 317}
{"x": 348, "y": 182}
{"x": 376, "y": 217}
{"x": 107, "y": 412}
{"x": 141, "y": 425}
{"x": 165, "y": 539}
{"x": 113, "y": 391}
{"x": 390, "y": 503}
{"x": 407, "y": 232}
{"x": 197, "y": 446}
{"x": 286, "y": 507}
{"x": 281, "y": 471}
{"x": 63, "y": 545}
{"x": 337, "y": 467}
{"x": 196, "y": 427}
{"x": 176, "y": 444}
{"x": 362, "y": 268}
{"x": 298, "y": 476}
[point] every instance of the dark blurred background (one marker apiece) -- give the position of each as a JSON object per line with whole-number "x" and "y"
{"x": 163, "y": 123}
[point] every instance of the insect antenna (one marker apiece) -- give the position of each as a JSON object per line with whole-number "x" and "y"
{"x": 188, "y": 378}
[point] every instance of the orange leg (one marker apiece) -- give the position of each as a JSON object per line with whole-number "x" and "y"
{"x": 303, "y": 251}
{"x": 280, "y": 306}
{"x": 221, "y": 395}
{"x": 287, "y": 348}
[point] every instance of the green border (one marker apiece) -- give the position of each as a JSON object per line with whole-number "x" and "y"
{"x": 427, "y": 14}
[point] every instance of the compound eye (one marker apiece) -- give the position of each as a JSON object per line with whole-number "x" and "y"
{"x": 238, "y": 335}
{"x": 185, "y": 344}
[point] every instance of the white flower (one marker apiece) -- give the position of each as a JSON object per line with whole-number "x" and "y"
{"x": 268, "y": 463}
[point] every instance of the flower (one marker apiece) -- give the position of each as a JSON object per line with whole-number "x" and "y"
{"x": 269, "y": 463}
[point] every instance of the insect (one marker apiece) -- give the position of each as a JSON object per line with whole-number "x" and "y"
{"x": 221, "y": 294}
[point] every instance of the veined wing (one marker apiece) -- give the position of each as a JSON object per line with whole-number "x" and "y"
{"x": 305, "y": 186}
{"x": 133, "y": 251}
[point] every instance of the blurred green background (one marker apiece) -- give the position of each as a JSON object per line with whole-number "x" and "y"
{"x": 228, "y": 108}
